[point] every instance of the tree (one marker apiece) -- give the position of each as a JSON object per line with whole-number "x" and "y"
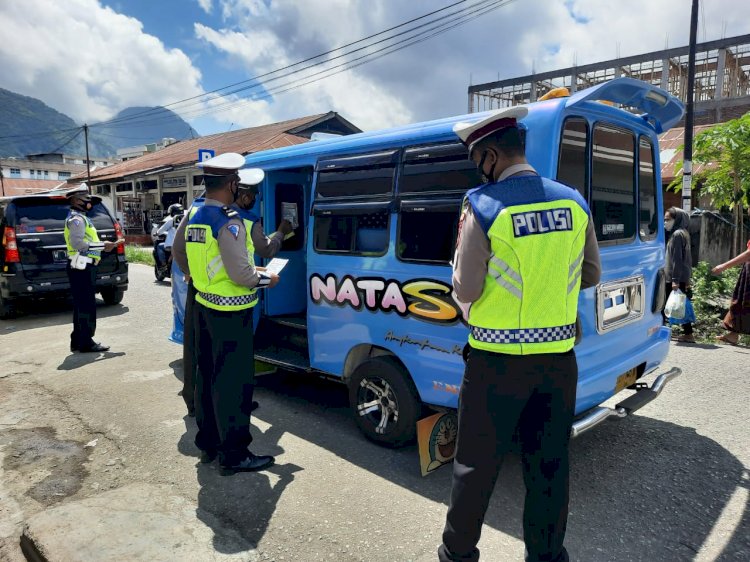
{"x": 724, "y": 151}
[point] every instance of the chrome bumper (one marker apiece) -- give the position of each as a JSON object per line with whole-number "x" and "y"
{"x": 642, "y": 396}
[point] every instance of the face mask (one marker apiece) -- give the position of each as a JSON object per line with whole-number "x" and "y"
{"x": 486, "y": 178}
{"x": 669, "y": 224}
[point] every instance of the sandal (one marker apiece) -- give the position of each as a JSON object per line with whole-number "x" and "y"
{"x": 726, "y": 338}
{"x": 686, "y": 338}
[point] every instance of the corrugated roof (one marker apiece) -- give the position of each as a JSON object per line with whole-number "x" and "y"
{"x": 20, "y": 186}
{"x": 670, "y": 143}
{"x": 184, "y": 153}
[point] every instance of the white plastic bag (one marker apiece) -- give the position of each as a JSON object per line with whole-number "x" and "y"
{"x": 675, "y": 307}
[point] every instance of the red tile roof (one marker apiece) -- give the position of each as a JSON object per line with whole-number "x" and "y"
{"x": 185, "y": 153}
{"x": 670, "y": 143}
{"x": 19, "y": 186}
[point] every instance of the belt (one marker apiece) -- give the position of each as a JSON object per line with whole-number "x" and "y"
{"x": 524, "y": 335}
{"x": 228, "y": 301}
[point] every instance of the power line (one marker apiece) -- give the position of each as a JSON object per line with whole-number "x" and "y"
{"x": 254, "y": 78}
{"x": 466, "y": 14}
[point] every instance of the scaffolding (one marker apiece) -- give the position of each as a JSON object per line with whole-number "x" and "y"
{"x": 722, "y": 79}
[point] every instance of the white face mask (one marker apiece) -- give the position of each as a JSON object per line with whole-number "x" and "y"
{"x": 669, "y": 224}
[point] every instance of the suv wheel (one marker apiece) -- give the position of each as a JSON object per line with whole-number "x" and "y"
{"x": 384, "y": 401}
{"x": 7, "y": 309}
{"x": 112, "y": 295}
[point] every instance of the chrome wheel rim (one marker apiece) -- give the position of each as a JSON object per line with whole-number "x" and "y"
{"x": 376, "y": 401}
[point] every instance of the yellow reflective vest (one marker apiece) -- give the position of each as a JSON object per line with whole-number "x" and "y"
{"x": 537, "y": 232}
{"x": 214, "y": 288}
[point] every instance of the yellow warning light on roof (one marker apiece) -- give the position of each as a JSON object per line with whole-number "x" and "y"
{"x": 556, "y": 93}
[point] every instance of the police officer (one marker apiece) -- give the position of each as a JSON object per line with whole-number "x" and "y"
{"x": 525, "y": 247}
{"x": 226, "y": 283}
{"x": 84, "y": 252}
{"x": 259, "y": 243}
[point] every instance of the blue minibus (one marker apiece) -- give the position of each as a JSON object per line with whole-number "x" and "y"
{"x": 366, "y": 295}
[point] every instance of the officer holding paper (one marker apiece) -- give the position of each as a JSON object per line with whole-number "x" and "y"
{"x": 84, "y": 252}
{"x": 526, "y": 246}
{"x": 226, "y": 282}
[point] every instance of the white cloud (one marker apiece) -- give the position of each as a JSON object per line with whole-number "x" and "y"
{"x": 88, "y": 61}
{"x": 206, "y": 5}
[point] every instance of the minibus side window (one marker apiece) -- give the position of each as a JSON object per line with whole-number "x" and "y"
{"x": 431, "y": 186}
{"x": 351, "y": 229}
{"x": 613, "y": 183}
{"x": 572, "y": 164}
{"x": 648, "y": 219}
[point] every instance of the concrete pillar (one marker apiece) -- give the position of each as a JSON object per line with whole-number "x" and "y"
{"x": 532, "y": 91}
{"x": 665, "y": 74}
{"x": 573, "y": 83}
{"x": 159, "y": 189}
{"x": 720, "y": 66}
{"x": 189, "y": 195}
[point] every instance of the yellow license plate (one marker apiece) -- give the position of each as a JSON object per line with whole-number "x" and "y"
{"x": 626, "y": 379}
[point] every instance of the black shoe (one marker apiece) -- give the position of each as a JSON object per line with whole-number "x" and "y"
{"x": 254, "y": 406}
{"x": 207, "y": 456}
{"x": 73, "y": 348}
{"x": 251, "y": 463}
{"x": 191, "y": 413}
{"x": 96, "y": 348}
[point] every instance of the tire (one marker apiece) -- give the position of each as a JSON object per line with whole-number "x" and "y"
{"x": 7, "y": 309}
{"x": 158, "y": 274}
{"x": 384, "y": 401}
{"x": 112, "y": 296}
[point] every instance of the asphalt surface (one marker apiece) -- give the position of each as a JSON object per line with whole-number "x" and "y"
{"x": 668, "y": 484}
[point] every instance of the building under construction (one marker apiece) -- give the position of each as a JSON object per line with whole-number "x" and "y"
{"x": 722, "y": 79}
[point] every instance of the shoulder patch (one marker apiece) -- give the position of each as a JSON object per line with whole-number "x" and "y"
{"x": 234, "y": 229}
{"x": 75, "y": 221}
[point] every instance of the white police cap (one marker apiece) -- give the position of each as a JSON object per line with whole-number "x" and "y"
{"x": 222, "y": 165}
{"x": 471, "y": 133}
{"x": 251, "y": 176}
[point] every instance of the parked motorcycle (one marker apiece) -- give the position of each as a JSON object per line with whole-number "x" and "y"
{"x": 162, "y": 258}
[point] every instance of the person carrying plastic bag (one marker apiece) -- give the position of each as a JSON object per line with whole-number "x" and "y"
{"x": 679, "y": 266}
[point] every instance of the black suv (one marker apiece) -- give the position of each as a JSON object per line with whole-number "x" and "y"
{"x": 33, "y": 257}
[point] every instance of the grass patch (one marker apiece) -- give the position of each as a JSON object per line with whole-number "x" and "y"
{"x": 139, "y": 254}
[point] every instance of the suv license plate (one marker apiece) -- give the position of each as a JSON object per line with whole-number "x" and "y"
{"x": 60, "y": 255}
{"x": 626, "y": 379}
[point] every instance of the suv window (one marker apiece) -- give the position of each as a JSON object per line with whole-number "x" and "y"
{"x": 48, "y": 215}
{"x": 438, "y": 168}
{"x": 613, "y": 183}
{"x": 366, "y": 175}
{"x": 572, "y": 164}
{"x": 649, "y": 218}
{"x": 427, "y": 230}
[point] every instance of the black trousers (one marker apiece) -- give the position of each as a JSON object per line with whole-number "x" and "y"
{"x": 83, "y": 288}
{"x": 536, "y": 394}
{"x": 687, "y": 329}
{"x": 189, "y": 361}
{"x": 224, "y": 381}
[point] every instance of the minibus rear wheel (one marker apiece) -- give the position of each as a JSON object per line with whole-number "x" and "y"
{"x": 384, "y": 401}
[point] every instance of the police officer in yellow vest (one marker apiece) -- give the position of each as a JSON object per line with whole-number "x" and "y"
{"x": 84, "y": 252}
{"x": 526, "y": 245}
{"x": 226, "y": 284}
{"x": 262, "y": 245}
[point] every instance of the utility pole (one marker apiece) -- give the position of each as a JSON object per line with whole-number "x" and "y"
{"x": 687, "y": 166}
{"x": 2, "y": 181}
{"x": 88, "y": 166}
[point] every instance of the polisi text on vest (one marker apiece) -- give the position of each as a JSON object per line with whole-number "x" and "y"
{"x": 541, "y": 222}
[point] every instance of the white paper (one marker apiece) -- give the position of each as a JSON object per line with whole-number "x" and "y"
{"x": 276, "y": 265}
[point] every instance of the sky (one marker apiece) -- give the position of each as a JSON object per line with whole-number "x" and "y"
{"x": 92, "y": 58}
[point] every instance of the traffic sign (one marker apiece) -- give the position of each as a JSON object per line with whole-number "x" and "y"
{"x": 205, "y": 154}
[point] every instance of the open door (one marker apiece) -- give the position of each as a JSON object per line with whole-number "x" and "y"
{"x": 287, "y": 193}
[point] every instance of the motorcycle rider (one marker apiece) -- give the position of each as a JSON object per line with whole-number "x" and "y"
{"x": 164, "y": 249}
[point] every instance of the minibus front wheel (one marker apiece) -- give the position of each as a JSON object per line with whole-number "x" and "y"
{"x": 384, "y": 401}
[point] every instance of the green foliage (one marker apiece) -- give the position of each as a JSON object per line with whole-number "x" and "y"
{"x": 711, "y": 297}
{"x": 139, "y": 254}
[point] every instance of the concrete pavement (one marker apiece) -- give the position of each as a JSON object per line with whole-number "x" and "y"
{"x": 97, "y": 458}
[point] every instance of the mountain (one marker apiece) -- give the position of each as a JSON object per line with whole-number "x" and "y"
{"x": 143, "y": 125}
{"x": 28, "y": 126}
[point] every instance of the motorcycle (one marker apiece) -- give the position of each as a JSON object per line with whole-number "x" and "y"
{"x": 162, "y": 258}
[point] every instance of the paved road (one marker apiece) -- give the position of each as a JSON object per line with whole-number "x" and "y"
{"x": 670, "y": 484}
